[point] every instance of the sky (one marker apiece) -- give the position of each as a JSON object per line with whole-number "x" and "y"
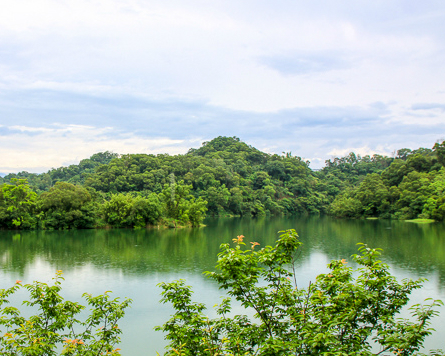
{"x": 315, "y": 78}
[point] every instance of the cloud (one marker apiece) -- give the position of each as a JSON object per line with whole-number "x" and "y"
{"x": 424, "y": 115}
{"x": 305, "y": 63}
{"x": 428, "y": 106}
{"x": 64, "y": 127}
{"x": 230, "y": 54}
{"x": 61, "y": 145}
{"x": 307, "y": 77}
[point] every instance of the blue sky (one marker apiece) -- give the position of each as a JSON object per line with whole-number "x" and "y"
{"x": 315, "y": 78}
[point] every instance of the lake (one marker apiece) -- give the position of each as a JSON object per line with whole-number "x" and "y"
{"x": 132, "y": 262}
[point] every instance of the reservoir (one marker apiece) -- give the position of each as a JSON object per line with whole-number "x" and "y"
{"x": 131, "y": 263}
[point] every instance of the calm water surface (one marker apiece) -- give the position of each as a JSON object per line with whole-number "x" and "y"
{"x": 132, "y": 262}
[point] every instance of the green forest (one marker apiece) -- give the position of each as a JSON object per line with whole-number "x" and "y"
{"x": 224, "y": 177}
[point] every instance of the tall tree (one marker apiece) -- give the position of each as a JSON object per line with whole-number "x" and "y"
{"x": 17, "y": 204}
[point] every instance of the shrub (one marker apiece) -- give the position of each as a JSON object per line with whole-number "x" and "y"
{"x": 55, "y": 329}
{"x": 344, "y": 312}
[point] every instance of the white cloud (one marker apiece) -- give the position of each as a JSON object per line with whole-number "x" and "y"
{"x": 207, "y": 52}
{"x": 63, "y": 145}
{"x": 258, "y": 70}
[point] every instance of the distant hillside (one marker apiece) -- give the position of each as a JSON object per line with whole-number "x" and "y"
{"x": 238, "y": 179}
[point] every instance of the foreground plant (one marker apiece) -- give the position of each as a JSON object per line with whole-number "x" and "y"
{"x": 344, "y": 312}
{"x": 55, "y": 329}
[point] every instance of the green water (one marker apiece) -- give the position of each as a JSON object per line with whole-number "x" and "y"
{"x": 132, "y": 262}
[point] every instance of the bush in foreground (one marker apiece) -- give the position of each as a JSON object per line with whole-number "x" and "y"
{"x": 344, "y": 312}
{"x": 55, "y": 329}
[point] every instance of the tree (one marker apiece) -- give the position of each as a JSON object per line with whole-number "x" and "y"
{"x": 145, "y": 211}
{"x": 347, "y": 206}
{"x": 419, "y": 162}
{"x": 373, "y": 195}
{"x": 67, "y": 206}
{"x": 403, "y": 153}
{"x": 103, "y": 157}
{"x": 439, "y": 150}
{"x": 179, "y": 203}
{"x": 415, "y": 190}
{"x": 117, "y": 210}
{"x": 434, "y": 206}
{"x": 217, "y": 199}
{"x": 55, "y": 327}
{"x": 394, "y": 174}
{"x": 126, "y": 210}
{"x": 17, "y": 203}
{"x": 340, "y": 314}
{"x": 197, "y": 209}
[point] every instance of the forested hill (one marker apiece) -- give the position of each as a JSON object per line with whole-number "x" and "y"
{"x": 232, "y": 176}
{"x": 237, "y": 179}
{"x": 409, "y": 186}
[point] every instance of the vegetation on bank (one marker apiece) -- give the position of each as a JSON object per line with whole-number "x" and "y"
{"x": 411, "y": 186}
{"x": 223, "y": 177}
{"x": 69, "y": 206}
{"x": 421, "y": 221}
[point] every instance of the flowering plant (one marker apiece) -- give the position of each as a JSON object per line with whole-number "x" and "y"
{"x": 344, "y": 312}
{"x": 56, "y": 323}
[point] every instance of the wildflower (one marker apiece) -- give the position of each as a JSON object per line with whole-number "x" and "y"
{"x": 330, "y": 275}
{"x": 238, "y": 239}
{"x": 343, "y": 261}
{"x": 73, "y": 342}
{"x": 254, "y": 244}
{"x": 18, "y": 281}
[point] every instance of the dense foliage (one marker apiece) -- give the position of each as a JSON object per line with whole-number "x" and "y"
{"x": 67, "y": 206}
{"x": 56, "y": 329}
{"x": 411, "y": 186}
{"x": 223, "y": 177}
{"x": 344, "y": 312}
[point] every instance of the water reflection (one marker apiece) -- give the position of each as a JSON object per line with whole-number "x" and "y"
{"x": 419, "y": 248}
{"x": 132, "y": 262}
